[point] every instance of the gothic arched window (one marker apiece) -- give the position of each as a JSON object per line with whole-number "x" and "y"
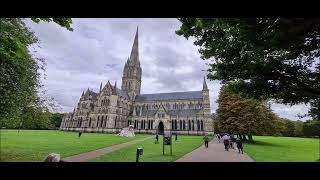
{"x": 184, "y": 125}
{"x": 198, "y": 125}
{"x": 175, "y": 125}
{"x": 201, "y": 125}
{"x": 192, "y": 125}
{"x": 172, "y": 124}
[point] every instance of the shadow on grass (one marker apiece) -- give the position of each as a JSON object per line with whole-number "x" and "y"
{"x": 263, "y": 143}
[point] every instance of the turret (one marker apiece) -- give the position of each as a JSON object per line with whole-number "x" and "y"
{"x": 205, "y": 98}
{"x": 100, "y": 87}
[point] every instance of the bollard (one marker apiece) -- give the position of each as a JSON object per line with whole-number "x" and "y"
{"x": 139, "y": 153}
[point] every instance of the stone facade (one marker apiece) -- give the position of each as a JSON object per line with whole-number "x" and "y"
{"x": 112, "y": 109}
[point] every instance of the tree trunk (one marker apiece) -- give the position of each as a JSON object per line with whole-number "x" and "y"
{"x": 250, "y": 138}
{"x": 244, "y": 137}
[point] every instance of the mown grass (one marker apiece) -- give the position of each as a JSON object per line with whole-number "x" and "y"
{"x": 35, "y": 145}
{"x": 283, "y": 149}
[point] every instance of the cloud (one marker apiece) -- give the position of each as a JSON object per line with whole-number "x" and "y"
{"x": 97, "y": 50}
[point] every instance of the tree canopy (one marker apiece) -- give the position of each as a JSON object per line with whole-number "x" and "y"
{"x": 19, "y": 69}
{"x": 241, "y": 115}
{"x": 274, "y": 58}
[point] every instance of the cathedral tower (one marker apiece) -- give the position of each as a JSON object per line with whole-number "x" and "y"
{"x": 206, "y": 98}
{"x": 131, "y": 79}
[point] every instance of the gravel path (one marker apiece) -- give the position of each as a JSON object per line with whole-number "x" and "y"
{"x": 215, "y": 153}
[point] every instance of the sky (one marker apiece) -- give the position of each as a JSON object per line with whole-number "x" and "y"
{"x": 97, "y": 49}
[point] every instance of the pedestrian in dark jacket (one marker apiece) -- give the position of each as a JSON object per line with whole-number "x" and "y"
{"x": 206, "y": 141}
{"x": 80, "y": 132}
{"x": 232, "y": 140}
{"x": 239, "y": 145}
{"x": 157, "y": 139}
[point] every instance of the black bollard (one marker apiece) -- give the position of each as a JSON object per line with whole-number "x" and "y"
{"x": 137, "y": 156}
{"x": 139, "y": 153}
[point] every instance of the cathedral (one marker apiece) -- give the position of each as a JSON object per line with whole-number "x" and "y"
{"x": 111, "y": 109}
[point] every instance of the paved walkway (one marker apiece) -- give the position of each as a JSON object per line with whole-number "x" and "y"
{"x": 215, "y": 153}
{"x": 84, "y": 157}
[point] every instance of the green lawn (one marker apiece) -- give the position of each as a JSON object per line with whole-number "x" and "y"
{"x": 35, "y": 145}
{"x": 153, "y": 152}
{"x": 283, "y": 149}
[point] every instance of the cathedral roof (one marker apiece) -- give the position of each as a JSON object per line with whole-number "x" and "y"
{"x": 122, "y": 93}
{"x": 88, "y": 93}
{"x": 170, "y": 96}
{"x": 178, "y": 112}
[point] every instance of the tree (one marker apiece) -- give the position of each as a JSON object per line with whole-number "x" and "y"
{"x": 19, "y": 76}
{"x": 274, "y": 58}
{"x": 298, "y": 129}
{"x": 237, "y": 114}
{"x": 311, "y": 128}
{"x": 56, "y": 119}
{"x": 289, "y": 128}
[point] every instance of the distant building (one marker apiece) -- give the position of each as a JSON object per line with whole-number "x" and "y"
{"x": 112, "y": 108}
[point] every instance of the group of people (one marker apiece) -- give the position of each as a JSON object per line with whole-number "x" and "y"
{"x": 229, "y": 141}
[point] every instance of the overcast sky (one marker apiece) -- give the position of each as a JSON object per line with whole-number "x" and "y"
{"x": 97, "y": 50}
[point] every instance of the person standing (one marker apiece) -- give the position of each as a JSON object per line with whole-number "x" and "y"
{"x": 79, "y": 135}
{"x": 239, "y": 145}
{"x": 206, "y": 141}
{"x": 157, "y": 138}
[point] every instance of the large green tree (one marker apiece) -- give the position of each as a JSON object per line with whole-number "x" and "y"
{"x": 19, "y": 69}
{"x": 56, "y": 119}
{"x": 274, "y": 58}
{"x": 311, "y": 128}
{"x": 289, "y": 128}
{"x": 241, "y": 115}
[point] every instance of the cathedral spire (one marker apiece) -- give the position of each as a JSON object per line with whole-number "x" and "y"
{"x": 205, "y": 87}
{"x": 82, "y": 93}
{"x": 115, "y": 84}
{"x": 108, "y": 83}
{"x": 134, "y": 56}
{"x": 100, "y": 87}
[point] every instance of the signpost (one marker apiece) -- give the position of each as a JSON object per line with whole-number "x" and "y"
{"x": 167, "y": 141}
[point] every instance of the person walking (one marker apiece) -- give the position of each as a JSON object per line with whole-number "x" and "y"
{"x": 206, "y": 141}
{"x": 219, "y": 137}
{"x": 157, "y": 139}
{"x": 225, "y": 140}
{"x": 239, "y": 145}
{"x": 232, "y": 140}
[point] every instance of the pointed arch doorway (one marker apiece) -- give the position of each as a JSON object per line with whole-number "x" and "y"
{"x": 160, "y": 128}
